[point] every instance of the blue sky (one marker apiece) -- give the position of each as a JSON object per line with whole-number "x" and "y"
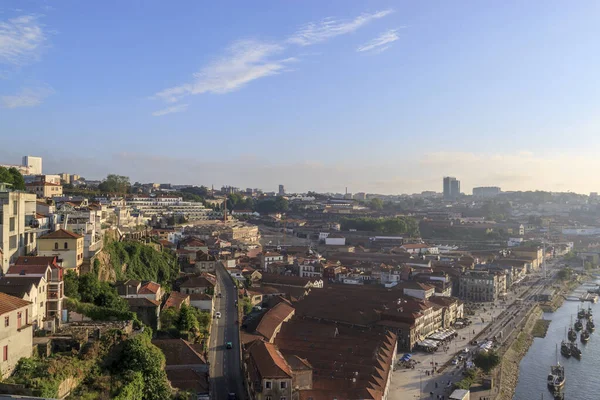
{"x": 379, "y": 96}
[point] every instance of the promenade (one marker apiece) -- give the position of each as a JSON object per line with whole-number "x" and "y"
{"x": 417, "y": 383}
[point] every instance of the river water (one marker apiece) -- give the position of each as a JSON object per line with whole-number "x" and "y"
{"x": 582, "y": 377}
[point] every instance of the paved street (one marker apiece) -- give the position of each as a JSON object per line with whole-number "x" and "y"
{"x": 415, "y": 383}
{"x": 226, "y": 374}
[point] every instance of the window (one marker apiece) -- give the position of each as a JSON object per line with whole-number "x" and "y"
{"x": 5, "y": 353}
{"x": 12, "y": 242}
{"x": 267, "y": 384}
{"x": 42, "y": 304}
{"x": 15, "y": 208}
{"x": 268, "y": 398}
{"x": 12, "y": 224}
{"x": 66, "y": 245}
{"x": 283, "y": 385}
{"x": 56, "y": 246}
{"x": 282, "y": 398}
{"x": 6, "y": 321}
{"x": 19, "y": 320}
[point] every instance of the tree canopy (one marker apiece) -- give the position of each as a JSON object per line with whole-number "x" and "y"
{"x": 279, "y": 204}
{"x": 13, "y": 177}
{"x": 115, "y": 184}
{"x": 393, "y": 226}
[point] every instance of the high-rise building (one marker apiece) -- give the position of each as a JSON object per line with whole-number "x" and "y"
{"x": 281, "y": 190}
{"x": 34, "y": 164}
{"x": 451, "y": 188}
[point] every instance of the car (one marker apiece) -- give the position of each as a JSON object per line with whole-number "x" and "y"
{"x": 229, "y": 345}
{"x": 454, "y": 361}
{"x": 231, "y": 396}
{"x": 218, "y": 314}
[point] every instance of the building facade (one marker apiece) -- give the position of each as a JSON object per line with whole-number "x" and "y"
{"x": 18, "y": 231}
{"x": 16, "y": 332}
{"x": 67, "y": 246}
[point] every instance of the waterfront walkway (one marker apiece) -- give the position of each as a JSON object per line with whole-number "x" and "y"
{"x": 416, "y": 383}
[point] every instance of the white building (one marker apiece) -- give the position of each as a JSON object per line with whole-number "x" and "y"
{"x": 16, "y": 333}
{"x": 18, "y": 231}
{"x": 34, "y": 164}
{"x": 151, "y": 206}
{"x": 335, "y": 240}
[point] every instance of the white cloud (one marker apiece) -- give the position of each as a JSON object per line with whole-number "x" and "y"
{"x": 170, "y": 110}
{"x": 379, "y": 44}
{"x": 21, "y": 40}
{"x": 26, "y": 97}
{"x": 328, "y": 28}
{"x": 245, "y": 61}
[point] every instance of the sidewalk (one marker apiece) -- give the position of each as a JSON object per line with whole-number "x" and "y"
{"x": 409, "y": 383}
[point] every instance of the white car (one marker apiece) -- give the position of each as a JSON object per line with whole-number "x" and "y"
{"x": 218, "y": 314}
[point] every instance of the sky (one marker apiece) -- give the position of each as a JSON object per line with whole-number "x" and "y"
{"x": 376, "y": 96}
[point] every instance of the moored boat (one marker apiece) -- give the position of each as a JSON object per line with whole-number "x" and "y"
{"x": 556, "y": 377}
{"x": 585, "y": 336}
{"x": 575, "y": 351}
{"x": 565, "y": 349}
{"x": 578, "y": 326}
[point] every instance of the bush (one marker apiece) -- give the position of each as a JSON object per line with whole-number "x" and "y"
{"x": 487, "y": 361}
{"x": 98, "y": 313}
{"x": 143, "y": 262}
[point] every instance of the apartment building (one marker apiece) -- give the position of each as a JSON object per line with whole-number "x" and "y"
{"x": 66, "y": 245}
{"x": 18, "y": 230}
{"x": 16, "y": 332}
{"x": 51, "y": 290}
{"x": 44, "y": 189}
{"x": 481, "y": 286}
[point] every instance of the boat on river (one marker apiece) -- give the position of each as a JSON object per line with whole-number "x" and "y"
{"x": 572, "y": 335}
{"x": 556, "y": 377}
{"x": 585, "y": 336}
{"x": 575, "y": 351}
{"x": 590, "y": 326}
{"x": 565, "y": 349}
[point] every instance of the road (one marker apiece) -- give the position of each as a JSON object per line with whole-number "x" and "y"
{"x": 225, "y": 369}
{"x": 508, "y": 317}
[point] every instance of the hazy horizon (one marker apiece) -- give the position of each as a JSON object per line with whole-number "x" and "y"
{"x": 378, "y": 97}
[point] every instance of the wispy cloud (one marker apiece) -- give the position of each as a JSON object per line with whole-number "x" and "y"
{"x": 170, "y": 110}
{"x": 380, "y": 43}
{"x": 26, "y": 97}
{"x": 316, "y": 32}
{"x": 21, "y": 40}
{"x": 245, "y": 61}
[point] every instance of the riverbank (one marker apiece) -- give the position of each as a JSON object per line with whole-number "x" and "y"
{"x": 509, "y": 367}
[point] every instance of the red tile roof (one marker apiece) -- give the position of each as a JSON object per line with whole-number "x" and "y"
{"x": 179, "y": 352}
{"x": 149, "y": 288}
{"x": 176, "y": 299}
{"x": 61, "y": 234}
{"x": 269, "y": 362}
{"x": 273, "y": 318}
{"x": 9, "y": 303}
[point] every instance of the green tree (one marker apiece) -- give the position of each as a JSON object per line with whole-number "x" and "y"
{"x": 487, "y": 361}
{"x": 281, "y": 204}
{"x": 169, "y": 318}
{"x": 115, "y": 184}
{"x": 71, "y": 281}
{"x": 140, "y": 355}
{"x": 564, "y": 274}
{"x": 13, "y": 177}
{"x": 89, "y": 288}
{"x": 376, "y": 204}
{"x": 187, "y": 321}
{"x": 18, "y": 183}
{"x": 246, "y": 305}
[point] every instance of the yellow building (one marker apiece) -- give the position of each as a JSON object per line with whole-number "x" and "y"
{"x": 68, "y": 246}
{"x": 44, "y": 189}
{"x": 533, "y": 254}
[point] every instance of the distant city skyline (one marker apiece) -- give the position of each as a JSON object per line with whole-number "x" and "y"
{"x": 380, "y": 97}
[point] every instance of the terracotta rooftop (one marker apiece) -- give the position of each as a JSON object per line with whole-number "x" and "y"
{"x": 18, "y": 286}
{"x": 188, "y": 379}
{"x": 273, "y": 319}
{"x": 9, "y": 303}
{"x": 179, "y": 352}
{"x": 348, "y": 361}
{"x": 32, "y": 265}
{"x": 176, "y": 299}
{"x": 199, "y": 296}
{"x": 196, "y": 281}
{"x": 274, "y": 279}
{"x": 269, "y": 362}
{"x": 149, "y": 288}
{"x": 61, "y": 234}
{"x": 142, "y": 302}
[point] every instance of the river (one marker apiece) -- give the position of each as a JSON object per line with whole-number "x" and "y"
{"x": 582, "y": 377}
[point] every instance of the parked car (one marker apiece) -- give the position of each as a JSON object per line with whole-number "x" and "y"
{"x": 218, "y": 314}
{"x": 231, "y": 396}
{"x": 229, "y": 345}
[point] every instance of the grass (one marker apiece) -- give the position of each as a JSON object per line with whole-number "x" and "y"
{"x": 540, "y": 328}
